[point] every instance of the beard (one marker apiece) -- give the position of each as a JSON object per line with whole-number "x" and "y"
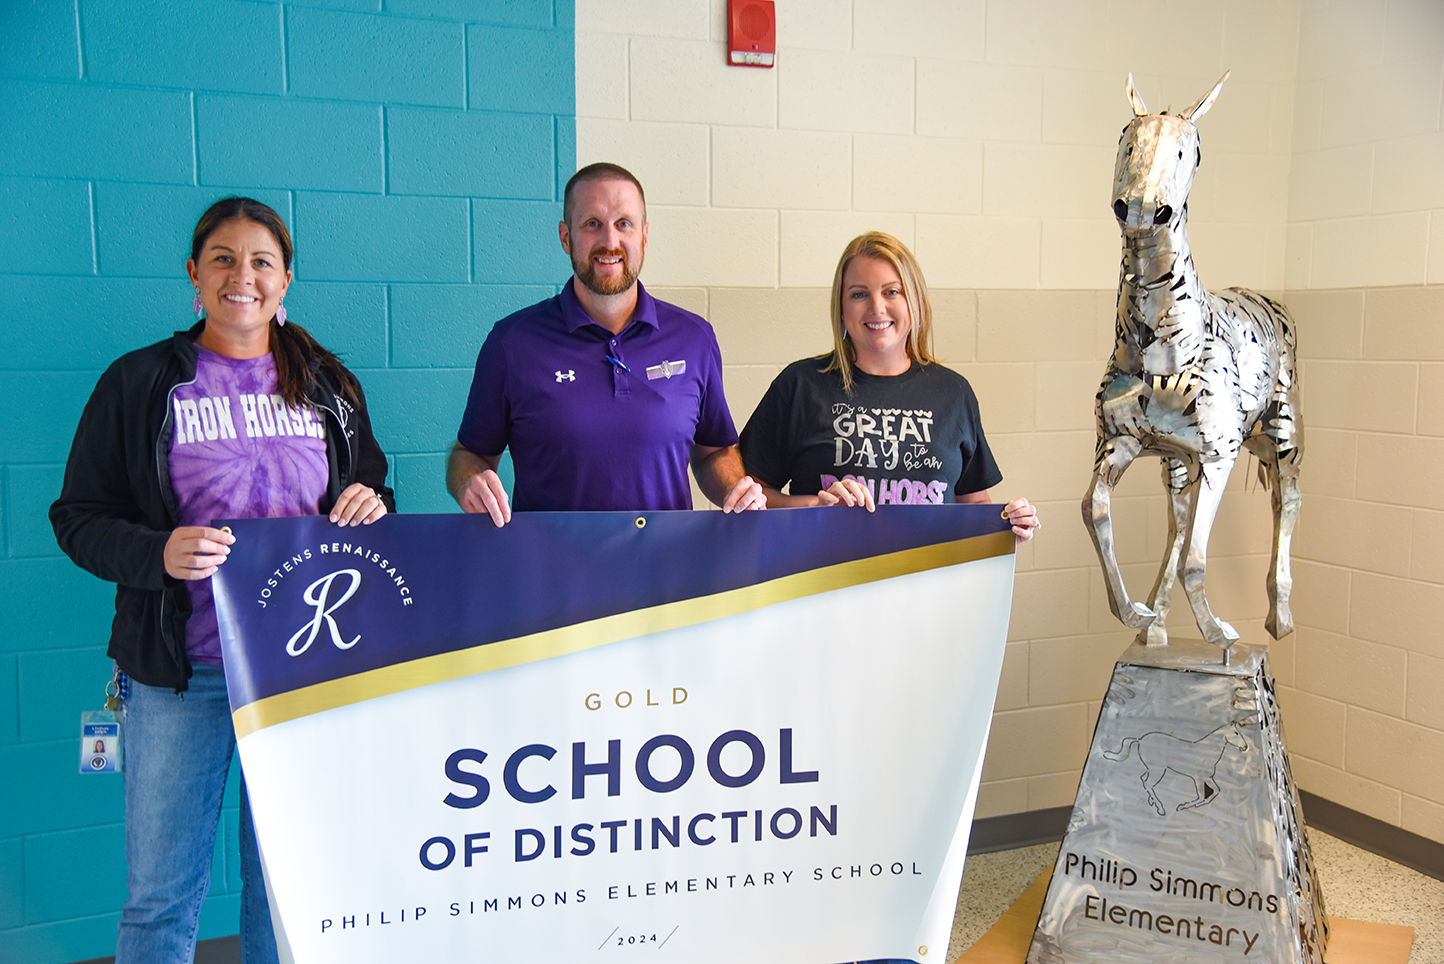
{"x": 586, "y": 271}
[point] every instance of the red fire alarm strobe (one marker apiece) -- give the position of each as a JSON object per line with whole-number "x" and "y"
{"x": 751, "y": 33}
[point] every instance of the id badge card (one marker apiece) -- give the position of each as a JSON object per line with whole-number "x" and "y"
{"x": 99, "y": 742}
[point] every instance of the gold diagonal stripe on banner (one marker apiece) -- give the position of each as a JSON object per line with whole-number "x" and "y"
{"x": 399, "y": 677}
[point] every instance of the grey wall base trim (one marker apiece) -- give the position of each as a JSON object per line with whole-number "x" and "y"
{"x": 1374, "y": 835}
{"x": 1013, "y": 830}
{"x": 215, "y": 950}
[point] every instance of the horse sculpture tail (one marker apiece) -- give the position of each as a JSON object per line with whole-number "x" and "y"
{"x": 1123, "y": 751}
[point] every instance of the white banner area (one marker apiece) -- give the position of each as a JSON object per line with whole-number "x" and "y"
{"x": 783, "y": 770}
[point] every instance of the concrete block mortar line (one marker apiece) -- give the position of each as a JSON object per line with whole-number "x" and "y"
{"x": 195, "y": 140}
{"x": 385, "y": 151}
{"x": 285, "y": 54}
{"x": 386, "y": 311}
{"x": 79, "y": 41}
{"x": 94, "y": 234}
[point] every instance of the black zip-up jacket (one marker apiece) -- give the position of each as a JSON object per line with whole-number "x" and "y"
{"x": 117, "y": 507}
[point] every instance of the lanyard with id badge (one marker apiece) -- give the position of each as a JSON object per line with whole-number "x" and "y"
{"x": 100, "y": 731}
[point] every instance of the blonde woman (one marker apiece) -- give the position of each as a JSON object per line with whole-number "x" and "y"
{"x": 877, "y": 421}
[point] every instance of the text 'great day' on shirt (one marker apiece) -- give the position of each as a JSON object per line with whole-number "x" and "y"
{"x": 911, "y": 438}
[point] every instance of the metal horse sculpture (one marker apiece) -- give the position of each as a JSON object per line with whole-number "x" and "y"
{"x": 1195, "y": 375}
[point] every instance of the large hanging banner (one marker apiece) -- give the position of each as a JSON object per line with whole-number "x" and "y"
{"x": 588, "y": 736}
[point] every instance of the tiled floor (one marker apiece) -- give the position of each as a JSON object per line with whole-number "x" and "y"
{"x": 1356, "y": 884}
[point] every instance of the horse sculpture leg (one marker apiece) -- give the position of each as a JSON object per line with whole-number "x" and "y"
{"x": 1097, "y": 509}
{"x": 1284, "y": 495}
{"x": 1204, "y": 494}
{"x": 1175, "y": 481}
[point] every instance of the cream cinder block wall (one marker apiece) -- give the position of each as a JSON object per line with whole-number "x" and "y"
{"x": 982, "y": 132}
{"x": 1365, "y": 273}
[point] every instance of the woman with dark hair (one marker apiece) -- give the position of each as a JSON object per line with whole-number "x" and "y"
{"x": 877, "y": 420}
{"x": 242, "y": 416}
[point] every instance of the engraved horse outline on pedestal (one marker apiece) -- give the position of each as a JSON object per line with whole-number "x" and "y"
{"x": 1197, "y": 760}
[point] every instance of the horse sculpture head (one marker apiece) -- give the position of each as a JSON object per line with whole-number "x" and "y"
{"x": 1158, "y": 156}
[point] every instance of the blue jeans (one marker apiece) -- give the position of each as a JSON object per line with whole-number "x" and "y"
{"x": 177, "y": 753}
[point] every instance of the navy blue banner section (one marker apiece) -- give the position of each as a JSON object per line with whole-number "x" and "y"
{"x": 331, "y": 602}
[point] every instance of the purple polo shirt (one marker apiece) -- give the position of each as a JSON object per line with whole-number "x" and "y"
{"x": 586, "y": 433}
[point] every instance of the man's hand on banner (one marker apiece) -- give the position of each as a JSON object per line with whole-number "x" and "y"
{"x": 746, "y": 494}
{"x": 722, "y": 478}
{"x": 473, "y": 483}
{"x": 485, "y": 493}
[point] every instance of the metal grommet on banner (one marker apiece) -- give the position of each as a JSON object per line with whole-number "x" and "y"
{"x": 641, "y": 523}
{"x": 923, "y": 951}
{"x": 1004, "y": 513}
{"x": 226, "y": 529}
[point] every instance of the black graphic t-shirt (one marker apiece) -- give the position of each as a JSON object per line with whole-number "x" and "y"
{"x": 910, "y": 438}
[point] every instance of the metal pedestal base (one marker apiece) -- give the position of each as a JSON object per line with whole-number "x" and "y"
{"x": 1187, "y": 840}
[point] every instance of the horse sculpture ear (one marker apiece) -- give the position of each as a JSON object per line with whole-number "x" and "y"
{"x": 1139, "y": 108}
{"x": 1201, "y": 106}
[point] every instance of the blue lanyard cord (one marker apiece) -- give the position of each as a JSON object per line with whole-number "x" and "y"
{"x": 618, "y": 362}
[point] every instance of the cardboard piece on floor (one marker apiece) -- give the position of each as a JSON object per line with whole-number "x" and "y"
{"x": 1359, "y": 942}
{"x": 1006, "y": 942}
{"x": 1350, "y": 941}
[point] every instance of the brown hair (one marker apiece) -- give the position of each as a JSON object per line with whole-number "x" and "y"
{"x": 875, "y": 244}
{"x": 600, "y": 171}
{"x": 298, "y": 355}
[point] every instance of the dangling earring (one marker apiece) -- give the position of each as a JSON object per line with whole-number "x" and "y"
{"x": 196, "y": 304}
{"x": 281, "y": 314}
{"x": 844, "y": 330}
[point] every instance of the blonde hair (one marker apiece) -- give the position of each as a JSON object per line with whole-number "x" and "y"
{"x": 875, "y": 244}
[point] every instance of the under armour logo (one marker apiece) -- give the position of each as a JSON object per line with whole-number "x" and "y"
{"x": 569, "y": 375}
{"x": 316, "y": 594}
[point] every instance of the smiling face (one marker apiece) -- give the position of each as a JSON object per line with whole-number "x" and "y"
{"x": 241, "y": 276}
{"x": 607, "y": 235}
{"x": 876, "y": 315}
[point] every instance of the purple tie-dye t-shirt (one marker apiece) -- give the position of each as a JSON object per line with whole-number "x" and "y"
{"x": 238, "y": 452}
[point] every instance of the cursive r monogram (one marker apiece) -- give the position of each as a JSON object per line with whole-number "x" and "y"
{"x": 316, "y": 596}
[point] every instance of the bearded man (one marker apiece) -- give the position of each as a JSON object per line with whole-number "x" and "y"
{"x": 604, "y": 394}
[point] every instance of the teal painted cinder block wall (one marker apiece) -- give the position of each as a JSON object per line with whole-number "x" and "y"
{"x": 416, "y": 148}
